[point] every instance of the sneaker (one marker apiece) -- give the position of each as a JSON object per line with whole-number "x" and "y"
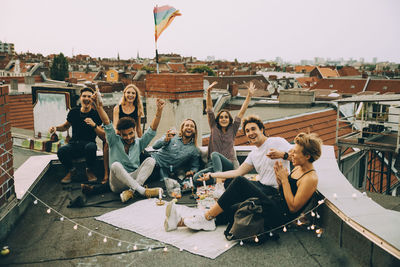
{"x": 172, "y": 217}
{"x": 90, "y": 175}
{"x": 199, "y": 222}
{"x": 126, "y": 195}
{"x": 153, "y": 192}
{"x": 68, "y": 178}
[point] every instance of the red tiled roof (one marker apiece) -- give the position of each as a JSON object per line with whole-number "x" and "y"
{"x": 348, "y": 71}
{"x": 177, "y": 67}
{"x": 343, "y": 86}
{"x": 384, "y": 86}
{"x": 307, "y": 82}
{"x": 323, "y": 123}
{"x": 82, "y": 75}
{"x": 328, "y": 72}
{"x": 304, "y": 69}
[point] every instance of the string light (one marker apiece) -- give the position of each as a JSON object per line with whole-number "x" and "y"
{"x": 226, "y": 245}
{"x": 354, "y": 195}
{"x": 313, "y": 214}
{"x": 335, "y": 196}
{"x": 256, "y": 239}
{"x": 271, "y": 234}
{"x": 165, "y": 249}
{"x": 318, "y": 216}
{"x": 180, "y": 249}
{"x": 312, "y": 227}
{"x": 149, "y": 250}
{"x": 241, "y": 242}
{"x": 62, "y": 218}
{"x": 195, "y": 248}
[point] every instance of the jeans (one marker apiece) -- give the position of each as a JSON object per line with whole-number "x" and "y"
{"x": 217, "y": 163}
{"x": 74, "y": 150}
{"x": 121, "y": 180}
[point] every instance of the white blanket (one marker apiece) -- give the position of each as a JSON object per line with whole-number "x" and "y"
{"x": 146, "y": 218}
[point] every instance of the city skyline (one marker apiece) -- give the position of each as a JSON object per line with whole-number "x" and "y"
{"x": 291, "y": 30}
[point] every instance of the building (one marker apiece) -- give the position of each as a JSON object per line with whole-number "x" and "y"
{"x": 7, "y": 48}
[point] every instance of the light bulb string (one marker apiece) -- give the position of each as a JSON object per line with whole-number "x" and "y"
{"x": 320, "y": 202}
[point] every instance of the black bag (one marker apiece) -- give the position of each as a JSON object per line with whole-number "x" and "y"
{"x": 252, "y": 218}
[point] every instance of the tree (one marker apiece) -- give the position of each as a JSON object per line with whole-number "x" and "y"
{"x": 59, "y": 68}
{"x": 202, "y": 69}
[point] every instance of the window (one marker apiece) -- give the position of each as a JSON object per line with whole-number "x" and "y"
{"x": 331, "y": 86}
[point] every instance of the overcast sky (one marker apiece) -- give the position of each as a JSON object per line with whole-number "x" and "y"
{"x": 226, "y": 29}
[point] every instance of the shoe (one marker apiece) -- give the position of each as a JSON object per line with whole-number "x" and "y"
{"x": 199, "y": 222}
{"x": 87, "y": 189}
{"x": 68, "y": 178}
{"x": 90, "y": 175}
{"x": 153, "y": 192}
{"x": 126, "y": 195}
{"x": 172, "y": 217}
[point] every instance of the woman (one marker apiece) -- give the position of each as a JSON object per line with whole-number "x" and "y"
{"x": 130, "y": 106}
{"x": 221, "y": 154}
{"x": 295, "y": 188}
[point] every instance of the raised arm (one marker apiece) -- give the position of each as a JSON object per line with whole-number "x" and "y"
{"x": 306, "y": 188}
{"x": 115, "y": 116}
{"x": 99, "y": 104}
{"x": 209, "y": 104}
{"x": 250, "y": 92}
{"x": 156, "y": 121}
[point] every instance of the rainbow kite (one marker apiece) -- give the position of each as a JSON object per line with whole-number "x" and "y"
{"x": 163, "y": 16}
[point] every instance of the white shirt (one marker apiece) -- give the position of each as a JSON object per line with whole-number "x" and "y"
{"x": 265, "y": 165}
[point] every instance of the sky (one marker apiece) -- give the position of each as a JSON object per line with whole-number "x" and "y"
{"x": 225, "y": 29}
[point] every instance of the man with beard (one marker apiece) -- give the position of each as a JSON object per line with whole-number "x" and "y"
{"x": 127, "y": 175}
{"x": 85, "y": 123}
{"x": 178, "y": 151}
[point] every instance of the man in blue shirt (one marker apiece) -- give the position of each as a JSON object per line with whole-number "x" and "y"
{"x": 178, "y": 151}
{"x": 127, "y": 175}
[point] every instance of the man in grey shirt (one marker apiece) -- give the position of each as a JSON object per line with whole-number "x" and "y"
{"x": 178, "y": 151}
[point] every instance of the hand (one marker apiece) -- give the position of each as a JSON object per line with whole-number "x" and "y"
{"x": 205, "y": 177}
{"x": 90, "y": 122}
{"x": 160, "y": 104}
{"x": 169, "y": 135}
{"x": 189, "y": 174}
{"x": 275, "y": 154}
{"x": 52, "y": 129}
{"x": 251, "y": 89}
{"x": 211, "y": 86}
{"x": 281, "y": 172}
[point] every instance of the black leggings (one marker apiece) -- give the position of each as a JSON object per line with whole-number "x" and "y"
{"x": 239, "y": 190}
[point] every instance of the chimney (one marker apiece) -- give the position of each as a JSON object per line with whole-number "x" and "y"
{"x": 183, "y": 94}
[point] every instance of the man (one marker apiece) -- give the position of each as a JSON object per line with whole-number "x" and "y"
{"x": 178, "y": 151}
{"x": 127, "y": 175}
{"x": 85, "y": 123}
{"x": 268, "y": 150}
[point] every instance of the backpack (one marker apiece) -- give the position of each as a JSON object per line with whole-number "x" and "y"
{"x": 250, "y": 220}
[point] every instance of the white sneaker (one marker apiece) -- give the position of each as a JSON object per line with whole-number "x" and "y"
{"x": 172, "y": 217}
{"x": 199, "y": 222}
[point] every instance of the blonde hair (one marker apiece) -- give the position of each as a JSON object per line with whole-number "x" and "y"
{"x": 311, "y": 145}
{"x": 137, "y": 102}
{"x": 194, "y": 139}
